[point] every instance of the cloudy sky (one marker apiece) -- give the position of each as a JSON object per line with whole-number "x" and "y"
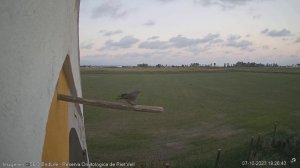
{"x": 128, "y": 32}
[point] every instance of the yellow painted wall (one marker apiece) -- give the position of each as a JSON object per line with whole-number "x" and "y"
{"x": 56, "y": 145}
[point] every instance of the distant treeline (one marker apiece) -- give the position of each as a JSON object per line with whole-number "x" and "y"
{"x": 226, "y": 65}
{"x": 253, "y": 64}
{"x": 238, "y": 64}
{"x": 178, "y": 66}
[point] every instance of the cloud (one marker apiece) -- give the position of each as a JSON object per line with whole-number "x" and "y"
{"x": 209, "y": 38}
{"x": 125, "y": 42}
{"x": 236, "y": 42}
{"x": 86, "y": 45}
{"x": 243, "y": 44}
{"x": 257, "y": 16}
{"x": 110, "y": 33}
{"x": 236, "y": 2}
{"x": 149, "y": 23}
{"x": 216, "y": 41}
{"x": 195, "y": 50}
{"x": 283, "y": 32}
{"x": 276, "y": 33}
{"x": 265, "y": 47}
{"x": 154, "y": 45}
{"x": 165, "y": 1}
{"x": 203, "y": 2}
{"x": 181, "y": 42}
{"x": 297, "y": 40}
{"x": 264, "y": 31}
{"x": 225, "y": 4}
{"x": 112, "y": 9}
{"x": 102, "y": 31}
{"x": 153, "y": 38}
{"x": 233, "y": 37}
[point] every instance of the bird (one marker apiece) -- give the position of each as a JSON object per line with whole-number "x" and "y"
{"x": 130, "y": 97}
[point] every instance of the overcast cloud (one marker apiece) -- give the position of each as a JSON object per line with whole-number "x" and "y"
{"x": 180, "y": 41}
{"x": 237, "y": 42}
{"x": 110, "y": 33}
{"x": 165, "y": 1}
{"x": 109, "y": 8}
{"x": 153, "y": 38}
{"x": 154, "y": 45}
{"x": 224, "y": 4}
{"x": 125, "y": 42}
{"x": 297, "y": 40}
{"x": 277, "y": 33}
{"x": 209, "y": 38}
{"x": 149, "y": 23}
{"x": 86, "y": 45}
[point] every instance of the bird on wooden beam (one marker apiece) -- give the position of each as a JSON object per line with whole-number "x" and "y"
{"x": 130, "y": 97}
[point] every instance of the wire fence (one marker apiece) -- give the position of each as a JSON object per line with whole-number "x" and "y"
{"x": 267, "y": 150}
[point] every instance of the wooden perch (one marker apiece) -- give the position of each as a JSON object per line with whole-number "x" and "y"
{"x": 112, "y": 105}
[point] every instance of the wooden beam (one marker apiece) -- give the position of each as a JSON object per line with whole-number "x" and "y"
{"x": 109, "y": 104}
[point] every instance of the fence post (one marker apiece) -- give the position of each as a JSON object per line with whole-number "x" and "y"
{"x": 218, "y": 158}
{"x": 167, "y": 165}
{"x": 257, "y": 145}
{"x": 274, "y": 133}
{"x": 250, "y": 148}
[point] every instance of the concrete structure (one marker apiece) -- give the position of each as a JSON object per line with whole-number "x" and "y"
{"x": 39, "y": 58}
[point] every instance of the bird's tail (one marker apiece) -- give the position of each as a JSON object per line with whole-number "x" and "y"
{"x": 122, "y": 96}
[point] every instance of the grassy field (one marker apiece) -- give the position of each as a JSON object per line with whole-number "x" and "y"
{"x": 204, "y": 111}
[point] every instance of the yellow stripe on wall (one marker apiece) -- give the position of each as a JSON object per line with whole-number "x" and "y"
{"x": 56, "y": 145}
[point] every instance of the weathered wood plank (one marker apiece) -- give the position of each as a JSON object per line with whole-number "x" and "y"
{"x": 109, "y": 104}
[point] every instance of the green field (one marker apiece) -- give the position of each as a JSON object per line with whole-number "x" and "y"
{"x": 204, "y": 111}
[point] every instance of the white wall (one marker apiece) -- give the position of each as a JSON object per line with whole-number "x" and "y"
{"x": 35, "y": 37}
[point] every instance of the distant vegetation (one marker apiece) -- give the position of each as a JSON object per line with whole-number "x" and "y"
{"x": 195, "y": 64}
{"x": 253, "y": 64}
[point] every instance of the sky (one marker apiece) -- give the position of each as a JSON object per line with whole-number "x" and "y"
{"x": 176, "y": 32}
